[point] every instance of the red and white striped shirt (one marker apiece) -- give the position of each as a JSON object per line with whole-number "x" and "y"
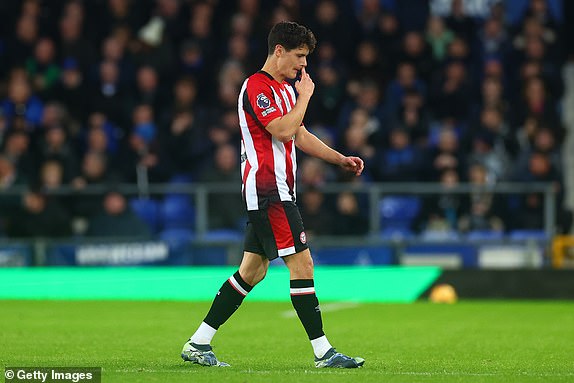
{"x": 268, "y": 166}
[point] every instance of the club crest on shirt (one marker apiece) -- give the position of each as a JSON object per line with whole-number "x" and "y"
{"x": 262, "y": 101}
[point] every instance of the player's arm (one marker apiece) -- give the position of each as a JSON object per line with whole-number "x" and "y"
{"x": 313, "y": 146}
{"x": 285, "y": 127}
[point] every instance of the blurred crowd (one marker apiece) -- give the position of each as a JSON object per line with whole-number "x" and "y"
{"x": 100, "y": 92}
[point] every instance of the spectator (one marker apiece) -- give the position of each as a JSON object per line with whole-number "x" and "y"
{"x": 94, "y": 172}
{"x": 21, "y": 44}
{"x": 369, "y": 100}
{"x": 316, "y": 213}
{"x": 482, "y": 210}
{"x": 109, "y": 96}
{"x": 17, "y": 150}
{"x": 543, "y": 141}
{"x": 114, "y": 50}
{"x": 193, "y": 64}
{"x": 537, "y": 103}
{"x": 72, "y": 42}
{"x": 369, "y": 65}
{"x": 9, "y": 177}
{"x": 185, "y": 99}
{"x": 329, "y": 95}
{"x": 42, "y": 67}
{"x": 458, "y": 22}
{"x": 185, "y": 143}
{"x": 349, "y": 220}
{"x": 329, "y": 24}
{"x": 492, "y": 97}
{"x": 538, "y": 10}
{"x": 493, "y": 40}
{"x": 447, "y": 155}
{"x": 413, "y": 116}
{"x": 416, "y": 51}
{"x": 450, "y": 95}
{"x": 225, "y": 208}
{"x": 406, "y": 80}
{"x": 70, "y": 90}
{"x": 22, "y": 102}
{"x": 121, "y": 12}
{"x": 402, "y": 161}
{"x": 389, "y": 37}
{"x": 530, "y": 212}
{"x": 174, "y": 18}
{"x": 145, "y": 156}
{"x": 149, "y": 90}
{"x": 439, "y": 37}
{"x": 98, "y": 125}
{"x": 54, "y": 145}
{"x": 441, "y": 212}
{"x": 116, "y": 219}
{"x": 39, "y": 216}
{"x": 356, "y": 140}
{"x": 313, "y": 173}
{"x": 492, "y": 144}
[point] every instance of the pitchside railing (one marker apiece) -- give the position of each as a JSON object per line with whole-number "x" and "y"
{"x": 373, "y": 192}
{"x": 199, "y": 245}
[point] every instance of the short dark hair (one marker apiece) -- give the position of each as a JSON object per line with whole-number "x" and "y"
{"x": 291, "y": 36}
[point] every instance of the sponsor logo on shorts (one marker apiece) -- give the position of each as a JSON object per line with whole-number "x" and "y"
{"x": 303, "y": 237}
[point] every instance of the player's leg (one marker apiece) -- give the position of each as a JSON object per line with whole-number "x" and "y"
{"x": 231, "y": 294}
{"x": 307, "y": 306}
{"x": 228, "y": 299}
{"x": 305, "y": 300}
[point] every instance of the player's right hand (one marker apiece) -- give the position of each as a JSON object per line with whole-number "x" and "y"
{"x": 305, "y": 86}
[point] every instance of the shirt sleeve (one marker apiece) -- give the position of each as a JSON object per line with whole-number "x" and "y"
{"x": 261, "y": 101}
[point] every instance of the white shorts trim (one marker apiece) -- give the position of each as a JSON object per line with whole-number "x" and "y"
{"x": 286, "y": 251}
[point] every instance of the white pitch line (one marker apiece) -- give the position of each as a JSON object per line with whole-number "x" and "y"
{"x": 325, "y": 308}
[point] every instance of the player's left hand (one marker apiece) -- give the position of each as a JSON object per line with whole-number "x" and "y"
{"x": 353, "y": 164}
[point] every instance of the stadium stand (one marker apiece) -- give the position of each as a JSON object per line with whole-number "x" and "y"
{"x": 115, "y": 91}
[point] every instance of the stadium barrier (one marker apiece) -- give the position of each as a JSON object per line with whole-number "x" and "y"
{"x": 196, "y": 244}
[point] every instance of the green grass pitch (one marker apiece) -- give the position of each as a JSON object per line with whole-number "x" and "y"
{"x": 140, "y": 341}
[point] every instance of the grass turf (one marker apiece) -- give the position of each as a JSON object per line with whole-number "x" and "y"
{"x": 140, "y": 341}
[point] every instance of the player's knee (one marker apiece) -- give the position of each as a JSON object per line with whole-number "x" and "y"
{"x": 302, "y": 268}
{"x": 307, "y": 268}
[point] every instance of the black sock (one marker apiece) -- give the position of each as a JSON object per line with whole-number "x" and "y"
{"x": 227, "y": 300}
{"x": 307, "y": 306}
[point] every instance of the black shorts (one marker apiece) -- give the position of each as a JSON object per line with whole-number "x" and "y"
{"x": 275, "y": 231}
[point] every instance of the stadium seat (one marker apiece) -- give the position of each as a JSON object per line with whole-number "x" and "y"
{"x": 223, "y": 235}
{"x": 524, "y": 235}
{"x": 176, "y": 237}
{"x": 177, "y": 212}
{"x": 176, "y": 181}
{"x": 484, "y": 235}
{"x": 179, "y": 241}
{"x": 180, "y": 178}
{"x": 148, "y": 210}
{"x": 398, "y": 212}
